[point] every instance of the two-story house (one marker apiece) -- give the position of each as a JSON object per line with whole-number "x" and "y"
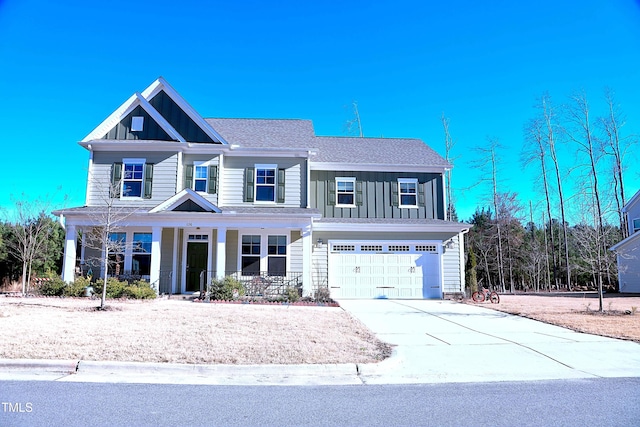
{"x": 628, "y": 250}
{"x": 196, "y": 199}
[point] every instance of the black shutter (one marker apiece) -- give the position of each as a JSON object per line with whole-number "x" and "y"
{"x": 248, "y": 184}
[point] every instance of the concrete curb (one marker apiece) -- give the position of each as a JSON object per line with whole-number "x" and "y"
{"x": 36, "y": 365}
{"x": 166, "y": 373}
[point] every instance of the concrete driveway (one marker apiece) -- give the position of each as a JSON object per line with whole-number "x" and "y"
{"x": 445, "y": 341}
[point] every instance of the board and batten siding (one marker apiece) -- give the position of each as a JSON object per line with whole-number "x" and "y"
{"x": 377, "y": 195}
{"x": 233, "y": 181}
{"x": 165, "y": 166}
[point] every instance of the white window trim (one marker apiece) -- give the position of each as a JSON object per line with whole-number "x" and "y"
{"x": 346, "y": 179}
{"x": 137, "y": 123}
{"x": 204, "y": 164}
{"x": 132, "y": 161}
{"x": 264, "y": 246}
{"x": 255, "y": 184}
{"x": 405, "y": 181}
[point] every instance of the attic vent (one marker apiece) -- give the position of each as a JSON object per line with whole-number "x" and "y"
{"x": 137, "y": 123}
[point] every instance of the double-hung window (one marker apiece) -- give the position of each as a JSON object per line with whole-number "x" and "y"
{"x": 116, "y": 248}
{"x": 266, "y": 183}
{"x": 200, "y": 181}
{"x": 250, "y": 255}
{"x": 141, "y": 257}
{"x": 408, "y": 192}
{"x": 345, "y": 192}
{"x": 277, "y": 253}
{"x": 132, "y": 177}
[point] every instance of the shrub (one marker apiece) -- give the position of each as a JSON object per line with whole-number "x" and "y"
{"x": 292, "y": 294}
{"x": 52, "y": 288}
{"x": 139, "y": 289}
{"x": 223, "y": 289}
{"x": 115, "y": 288}
{"x": 77, "y": 288}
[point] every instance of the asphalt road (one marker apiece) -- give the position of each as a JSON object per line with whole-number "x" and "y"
{"x": 577, "y": 402}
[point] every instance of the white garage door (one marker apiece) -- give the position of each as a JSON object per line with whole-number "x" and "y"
{"x": 364, "y": 269}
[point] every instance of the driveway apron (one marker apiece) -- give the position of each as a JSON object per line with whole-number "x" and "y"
{"x": 439, "y": 341}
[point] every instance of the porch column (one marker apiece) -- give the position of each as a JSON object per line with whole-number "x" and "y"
{"x": 221, "y": 252}
{"x": 307, "y": 243}
{"x": 154, "y": 274}
{"x": 69, "y": 262}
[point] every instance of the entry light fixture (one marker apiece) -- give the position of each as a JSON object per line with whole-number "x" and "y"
{"x": 319, "y": 243}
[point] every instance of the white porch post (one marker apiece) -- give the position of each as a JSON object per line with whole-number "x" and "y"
{"x": 154, "y": 274}
{"x": 221, "y": 252}
{"x": 307, "y": 285}
{"x": 174, "y": 268}
{"x": 69, "y": 262}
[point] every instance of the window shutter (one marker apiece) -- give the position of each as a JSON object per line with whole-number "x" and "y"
{"x": 331, "y": 193}
{"x": 281, "y": 173}
{"x": 213, "y": 179}
{"x": 422, "y": 195}
{"x": 188, "y": 176}
{"x": 116, "y": 177}
{"x": 394, "y": 193}
{"x": 248, "y": 184}
{"x": 358, "y": 193}
{"x": 148, "y": 180}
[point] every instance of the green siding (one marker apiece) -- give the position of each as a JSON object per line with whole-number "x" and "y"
{"x": 179, "y": 119}
{"x": 377, "y": 195}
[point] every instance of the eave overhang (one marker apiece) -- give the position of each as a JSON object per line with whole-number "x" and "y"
{"x": 367, "y": 167}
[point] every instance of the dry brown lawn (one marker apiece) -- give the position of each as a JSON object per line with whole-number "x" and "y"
{"x": 620, "y": 319}
{"x": 178, "y": 331}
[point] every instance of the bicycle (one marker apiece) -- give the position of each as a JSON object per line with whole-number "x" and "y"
{"x": 484, "y": 294}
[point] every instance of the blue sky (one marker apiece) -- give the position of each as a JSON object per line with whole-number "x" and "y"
{"x": 66, "y": 65}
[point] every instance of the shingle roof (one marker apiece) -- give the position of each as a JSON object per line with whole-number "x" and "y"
{"x": 295, "y": 133}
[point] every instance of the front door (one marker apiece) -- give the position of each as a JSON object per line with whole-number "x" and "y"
{"x": 196, "y": 264}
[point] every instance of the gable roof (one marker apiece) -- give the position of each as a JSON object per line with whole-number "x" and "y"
{"x": 187, "y": 198}
{"x": 143, "y": 100}
{"x": 631, "y": 202}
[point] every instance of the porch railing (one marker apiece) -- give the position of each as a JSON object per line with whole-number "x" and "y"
{"x": 262, "y": 285}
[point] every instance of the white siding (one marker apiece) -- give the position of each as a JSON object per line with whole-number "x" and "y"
{"x": 164, "y": 178}
{"x": 451, "y": 265}
{"x": 233, "y": 180}
{"x": 295, "y": 252}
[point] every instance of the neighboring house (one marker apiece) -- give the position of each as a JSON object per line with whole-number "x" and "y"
{"x": 628, "y": 250}
{"x": 204, "y": 198}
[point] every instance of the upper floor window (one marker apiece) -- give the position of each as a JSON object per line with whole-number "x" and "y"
{"x": 133, "y": 177}
{"x": 345, "y": 191}
{"x": 408, "y": 192}
{"x": 201, "y": 178}
{"x": 636, "y": 225}
{"x": 266, "y": 183}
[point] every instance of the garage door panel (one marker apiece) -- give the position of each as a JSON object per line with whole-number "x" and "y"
{"x": 393, "y": 275}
